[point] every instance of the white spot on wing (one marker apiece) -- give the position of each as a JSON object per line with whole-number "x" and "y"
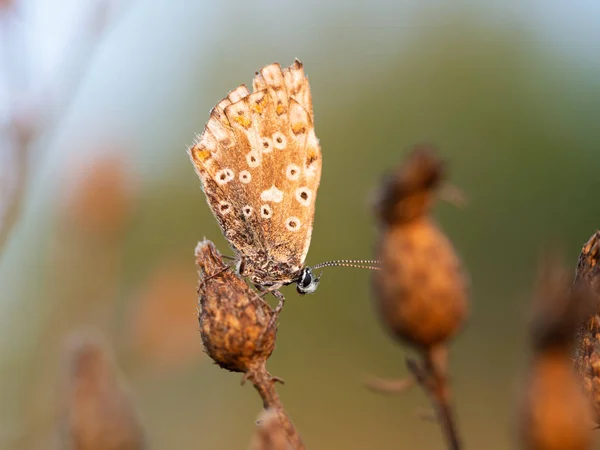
{"x": 266, "y": 145}
{"x": 224, "y": 176}
{"x": 247, "y": 211}
{"x": 224, "y": 207}
{"x": 266, "y": 212}
{"x": 253, "y": 158}
{"x": 293, "y": 223}
{"x": 292, "y": 172}
{"x": 245, "y": 177}
{"x": 304, "y": 196}
{"x": 279, "y": 140}
{"x": 272, "y": 195}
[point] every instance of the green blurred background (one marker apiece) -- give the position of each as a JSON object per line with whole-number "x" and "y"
{"x": 509, "y": 92}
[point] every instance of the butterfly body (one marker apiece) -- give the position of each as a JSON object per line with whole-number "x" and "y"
{"x": 259, "y": 162}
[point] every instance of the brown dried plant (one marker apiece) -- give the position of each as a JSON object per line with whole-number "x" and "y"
{"x": 587, "y": 350}
{"x": 554, "y": 412}
{"x": 269, "y": 435}
{"x": 161, "y": 325}
{"x": 421, "y": 291}
{"x": 37, "y": 108}
{"x": 99, "y": 414}
{"x": 236, "y": 330}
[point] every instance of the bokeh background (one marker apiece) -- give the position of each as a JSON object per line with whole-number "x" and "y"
{"x": 98, "y": 103}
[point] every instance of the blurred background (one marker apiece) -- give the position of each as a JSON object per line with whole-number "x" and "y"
{"x": 100, "y": 208}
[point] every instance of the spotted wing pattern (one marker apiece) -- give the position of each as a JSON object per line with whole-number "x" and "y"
{"x": 259, "y": 162}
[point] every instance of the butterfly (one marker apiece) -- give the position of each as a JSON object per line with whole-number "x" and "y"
{"x": 259, "y": 162}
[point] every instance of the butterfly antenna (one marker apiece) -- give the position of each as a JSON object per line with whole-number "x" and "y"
{"x": 371, "y": 264}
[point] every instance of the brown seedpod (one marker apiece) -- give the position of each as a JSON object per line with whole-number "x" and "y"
{"x": 587, "y": 349}
{"x": 99, "y": 414}
{"x": 235, "y": 323}
{"x": 554, "y": 411}
{"x": 421, "y": 291}
{"x": 238, "y": 330}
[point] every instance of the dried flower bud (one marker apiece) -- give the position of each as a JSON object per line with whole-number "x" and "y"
{"x": 99, "y": 199}
{"x": 99, "y": 413}
{"x": 554, "y": 412}
{"x": 234, "y": 320}
{"x": 407, "y": 194}
{"x": 162, "y": 330}
{"x": 587, "y": 350}
{"x": 421, "y": 292}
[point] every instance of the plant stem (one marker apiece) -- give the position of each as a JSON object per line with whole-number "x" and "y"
{"x": 433, "y": 379}
{"x": 264, "y": 384}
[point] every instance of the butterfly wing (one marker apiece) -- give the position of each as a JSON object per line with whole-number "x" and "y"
{"x": 260, "y": 164}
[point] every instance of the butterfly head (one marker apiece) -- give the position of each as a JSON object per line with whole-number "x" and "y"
{"x": 307, "y": 282}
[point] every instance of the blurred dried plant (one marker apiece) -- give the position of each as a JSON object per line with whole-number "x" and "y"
{"x": 99, "y": 413}
{"x": 32, "y": 105}
{"x": 587, "y": 350}
{"x": 96, "y": 208}
{"x": 162, "y": 322}
{"x": 554, "y": 412}
{"x": 98, "y": 194}
{"x": 421, "y": 293}
{"x": 84, "y": 269}
{"x": 237, "y": 331}
{"x": 35, "y": 106}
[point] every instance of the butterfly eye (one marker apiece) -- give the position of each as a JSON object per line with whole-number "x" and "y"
{"x": 306, "y": 278}
{"x": 307, "y": 283}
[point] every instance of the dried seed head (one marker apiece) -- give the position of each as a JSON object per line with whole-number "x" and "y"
{"x": 554, "y": 412}
{"x": 421, "y": 292}
{"x": 407, "y": 194}
{"x": 234, "y": 320}
{"x": 99, "y": 412}
{"x": 587, "y": 348}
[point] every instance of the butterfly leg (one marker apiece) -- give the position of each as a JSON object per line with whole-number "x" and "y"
{"x": 279, "y": 296}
